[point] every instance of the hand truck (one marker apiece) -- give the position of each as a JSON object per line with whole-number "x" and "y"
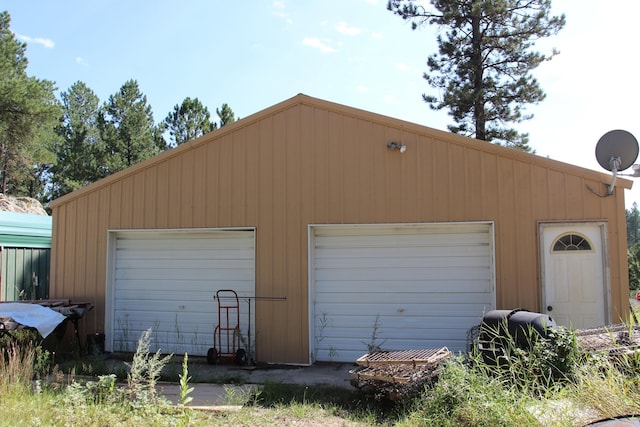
{"x": 226, "y": 336}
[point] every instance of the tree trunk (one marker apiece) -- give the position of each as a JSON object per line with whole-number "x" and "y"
{"x": 477, "y": 69}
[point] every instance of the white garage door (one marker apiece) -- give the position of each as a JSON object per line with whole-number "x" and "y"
{"x": 399, "y": 287}
{"x": 166, "y": 281}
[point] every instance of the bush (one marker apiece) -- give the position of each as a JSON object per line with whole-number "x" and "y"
{"x": 544, "y": 363}
{"x": 464, "y": 396}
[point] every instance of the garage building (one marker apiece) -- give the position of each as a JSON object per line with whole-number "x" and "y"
{"x": 341, "y": 230}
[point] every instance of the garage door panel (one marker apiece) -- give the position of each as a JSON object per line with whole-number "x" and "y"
{"x": 477, "y": 285}
{"x": 181, "y": 275}
{"x": 164, "y": 340}
{"x": 412, "y": 329}
{"x": 183, "y": 239}
{"x": 206, "y": 288}
{"x": 185, "y": 264}
{"x": 174, "y": 304}
{"x": 417, "y": 286}
{"x": 394, "y": 252}
{"x": 173, "y": 297}
{"x": 175, "y": 254}
{"x": 400, "y": 297}
{"x": 167, "y": 292}
{"x": 409, "y": 238}
{"x": 400, "y": 310}
{"x": 159, "y": 320}
{"x": 404, "y": 274}
{"x": 408, "y": 261}
{"x": 166, "y": 281}
{"x": 393, "y": 342}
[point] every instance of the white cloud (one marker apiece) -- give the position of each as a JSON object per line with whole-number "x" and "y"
{"x": 376, "y": 35}
{"x": 390, "y": 99}
{"x": 49, "y": 44}
{"x": 344, "y": 28}
{"x": 361, "y": 88}
{"x": 403, "y": 67}
{"x": 316, "y": 43}
{"x": 81, "y": 61}
{"x": 279, "y": 10}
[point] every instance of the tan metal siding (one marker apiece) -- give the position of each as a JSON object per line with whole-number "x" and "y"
{"x": 309, "y": 162}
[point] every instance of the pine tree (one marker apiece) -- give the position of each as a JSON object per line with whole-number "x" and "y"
{"x": 188, "y": 121}
{"x": 79, "y": 151}
{"x": 226, "y": 115}
{"x": 28, "y": 112}
{"x": 484, "y": 61}
{"x": 127, "y": 129}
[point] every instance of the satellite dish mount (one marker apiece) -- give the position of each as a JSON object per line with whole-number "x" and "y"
{"x": 616, "y": 151}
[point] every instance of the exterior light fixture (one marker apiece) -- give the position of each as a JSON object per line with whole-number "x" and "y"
{"x": 397, "y": 146}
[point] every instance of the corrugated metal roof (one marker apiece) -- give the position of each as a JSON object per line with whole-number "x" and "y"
{"x": 25, "y": 230}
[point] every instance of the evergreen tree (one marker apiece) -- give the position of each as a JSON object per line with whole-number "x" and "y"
{"x": 633, "y": 225}
{"x": 79, "y": 152}
{"x": 484, "y": 61}
{"x": 226, "y": 115}
{"x": 28, "y": 113}
{"x": 127, "y": 130}
{"x": 188, "y": 121}
{"x": 633, "y": 259}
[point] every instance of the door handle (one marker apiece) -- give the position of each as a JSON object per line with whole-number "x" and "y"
{"x": 549, "y": 308}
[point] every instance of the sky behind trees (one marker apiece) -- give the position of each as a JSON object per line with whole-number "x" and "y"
{"x": 355, "y": 52}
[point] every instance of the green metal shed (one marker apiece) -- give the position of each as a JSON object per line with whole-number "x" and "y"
{"x": 25, "y": 256}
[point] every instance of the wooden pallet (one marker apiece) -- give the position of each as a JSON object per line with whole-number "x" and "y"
{"x": 404, "y": 357}
{"x": 400, "y": 367}
{"x": 392, "y": 374}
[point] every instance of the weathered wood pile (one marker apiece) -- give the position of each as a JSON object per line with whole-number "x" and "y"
{"x": 398, "y": 374}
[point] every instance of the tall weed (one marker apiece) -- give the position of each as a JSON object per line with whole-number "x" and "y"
{"x": 467, "y": 397}
{"x": 144, "y": 371}
{"x": 22, "y": 361}
{"x": 608, "y": 385}
{"x": 16, "y": 366}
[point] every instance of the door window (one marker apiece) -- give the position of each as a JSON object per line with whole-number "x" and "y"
{"x": 571, "y": 242}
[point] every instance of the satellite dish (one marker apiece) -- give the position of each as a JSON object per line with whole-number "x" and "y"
{"x": 616, "y": 151}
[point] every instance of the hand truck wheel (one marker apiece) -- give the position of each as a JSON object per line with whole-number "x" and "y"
{"x": 212, "y": 356}
{"x": 241, "y": 357}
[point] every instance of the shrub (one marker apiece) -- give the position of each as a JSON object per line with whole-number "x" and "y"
{"x": 144, "y": 371}
{"x": 464, "y": 396}
{"x": 535, "y": 368}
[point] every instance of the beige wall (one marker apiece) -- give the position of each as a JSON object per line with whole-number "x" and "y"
{"x": 307, "y": 161}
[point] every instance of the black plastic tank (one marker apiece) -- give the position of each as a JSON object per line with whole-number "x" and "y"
{"x": 519, "y": 327}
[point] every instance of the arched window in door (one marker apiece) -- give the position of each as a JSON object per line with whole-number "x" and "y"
{"x": 571, "y": 242}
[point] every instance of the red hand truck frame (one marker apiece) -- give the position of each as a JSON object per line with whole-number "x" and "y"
{"x": 226, "y": 336}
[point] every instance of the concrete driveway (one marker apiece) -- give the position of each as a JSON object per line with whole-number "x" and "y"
{"x": 222, "y": 385}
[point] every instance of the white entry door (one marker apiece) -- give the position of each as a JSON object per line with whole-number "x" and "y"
{"x": 573, "y": 274}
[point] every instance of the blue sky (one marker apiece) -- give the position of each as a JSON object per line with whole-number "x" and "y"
{"x": 254, "y": 54}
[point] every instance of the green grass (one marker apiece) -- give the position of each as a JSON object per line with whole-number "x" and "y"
{"x": 551, "y": 384}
